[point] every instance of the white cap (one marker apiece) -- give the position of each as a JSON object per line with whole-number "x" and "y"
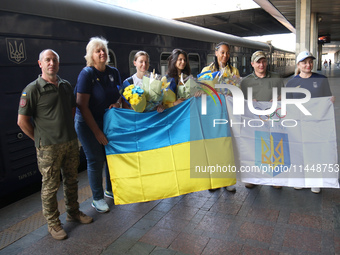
{"x": 303, "y": 55}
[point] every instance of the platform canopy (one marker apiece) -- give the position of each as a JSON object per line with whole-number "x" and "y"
{"x": 252, "y": 22}
{"x": 274, "y": 17}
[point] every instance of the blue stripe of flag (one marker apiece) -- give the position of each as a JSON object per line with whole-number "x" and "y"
{"x": 129, "y": 131}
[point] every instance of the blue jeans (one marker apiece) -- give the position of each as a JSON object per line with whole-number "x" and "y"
{"x": 95, "y": 156}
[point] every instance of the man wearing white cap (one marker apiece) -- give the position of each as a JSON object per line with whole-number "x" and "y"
{"x": 262, "y": 81}
{"x": 317, "y": 84}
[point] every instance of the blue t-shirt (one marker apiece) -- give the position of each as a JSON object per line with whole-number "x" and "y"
{"x": 317, "y": 84}
{"x": 102, "y": 87}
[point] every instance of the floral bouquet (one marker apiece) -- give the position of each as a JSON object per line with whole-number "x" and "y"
{"x": 134, "y": 95}
{"x": 152, "y": 86}
{"x": 225, "y": 77}
{"x": 169, "y": 91}
{"x": 208, "y": 78}
{"x": 187, "y": 87}
{"x": 219, "y": 77}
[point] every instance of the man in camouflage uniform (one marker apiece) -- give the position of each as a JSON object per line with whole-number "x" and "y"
{"x": 50, "y": 103}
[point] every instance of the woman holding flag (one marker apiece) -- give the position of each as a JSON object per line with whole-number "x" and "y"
{"x": 316, "y": 83}
{"x": 96, "y": 90}
{"x": 222, "y": 60}
{"x": 222, "y": 63}
{"x": 178, "y": 71}
{"x": 142, "y": 63}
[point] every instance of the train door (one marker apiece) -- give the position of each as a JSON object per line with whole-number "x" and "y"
{"x": 19, "y": 67}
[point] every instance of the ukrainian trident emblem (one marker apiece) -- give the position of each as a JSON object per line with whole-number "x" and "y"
{"x": 16, "y": 50}
{"x": 272, "y": 149}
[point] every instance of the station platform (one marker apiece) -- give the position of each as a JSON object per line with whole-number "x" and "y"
{"x": 262, "y": 220}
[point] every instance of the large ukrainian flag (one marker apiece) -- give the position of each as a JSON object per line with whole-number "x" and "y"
{"x": 159, "y": 155}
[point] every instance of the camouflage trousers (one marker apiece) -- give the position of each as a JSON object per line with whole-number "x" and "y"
{"x": 54, "y": 160}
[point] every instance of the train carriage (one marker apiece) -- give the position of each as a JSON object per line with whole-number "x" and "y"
{"x": 29, "y": 26}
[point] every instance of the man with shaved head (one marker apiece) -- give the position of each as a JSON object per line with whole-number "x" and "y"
{"x": 46, "y": 115}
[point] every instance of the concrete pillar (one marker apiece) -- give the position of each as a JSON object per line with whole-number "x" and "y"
{"x": 314, "y": 41}
{"x": 303, "y": 25}
{"x": 337, "y": 57}
{"x": 319, "y": 63}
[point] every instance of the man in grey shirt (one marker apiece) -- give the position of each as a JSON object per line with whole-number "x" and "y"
{"x": 262, "y": 82}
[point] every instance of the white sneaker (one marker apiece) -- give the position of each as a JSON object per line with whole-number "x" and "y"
{"x": 231, "y": 188}
{"x": 100, "y": 205}
{"x": 297, "y": 188}
{"x": 108, "y": 194}
{"x": 315, "y": 190}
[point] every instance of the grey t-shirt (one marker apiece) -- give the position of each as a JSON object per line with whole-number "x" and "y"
{"x": 262, "y": 87}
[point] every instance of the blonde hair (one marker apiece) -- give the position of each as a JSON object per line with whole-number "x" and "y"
{"x": 93, "y": 44}
{"x": 141, "y": 53}
{"x": 297, "y": 71}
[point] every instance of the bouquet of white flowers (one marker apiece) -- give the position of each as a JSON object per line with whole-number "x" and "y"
{"x": 187, "y": 87}
{"x": 152, "y": 86}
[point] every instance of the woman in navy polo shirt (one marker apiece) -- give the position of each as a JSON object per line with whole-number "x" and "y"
{"x": 316, "y": 83}
{"x": 96, "y": 90}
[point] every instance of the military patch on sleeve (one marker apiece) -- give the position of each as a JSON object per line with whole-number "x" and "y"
{"x": 23, "y": 102}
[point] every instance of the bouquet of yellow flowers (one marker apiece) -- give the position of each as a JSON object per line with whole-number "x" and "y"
{"x": 134, "y": 95}
{"x": 224, "y": 77}
{"x": 187, "y": 87}
{"x": 152, "y": 86}
{"x": 219, "y": 77}
{"x": 169, "y": 91}
{"x": 209, "y": 80}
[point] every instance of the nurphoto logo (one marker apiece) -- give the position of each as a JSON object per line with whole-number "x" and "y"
{"x": 238, "y": 100}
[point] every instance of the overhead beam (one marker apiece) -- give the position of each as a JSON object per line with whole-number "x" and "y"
{"x": 268, "y": 7}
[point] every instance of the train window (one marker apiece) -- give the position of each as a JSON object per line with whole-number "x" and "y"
{"x": 238, "y": 49}
{"x": 164, "y": 62}
{"x": 194, "y": 61}
{"x": 244, "y": 61}
{"x": 132, "y": 67}
{"x": 234, "y": 61}
{"x": 112, "y": 56}
{"x": 244, "y": 65}
{"x": 210, "y": 58}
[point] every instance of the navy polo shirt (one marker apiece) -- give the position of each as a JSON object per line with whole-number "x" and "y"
{"x": 102, "y": 87}
{"x": 317, "y": 84}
